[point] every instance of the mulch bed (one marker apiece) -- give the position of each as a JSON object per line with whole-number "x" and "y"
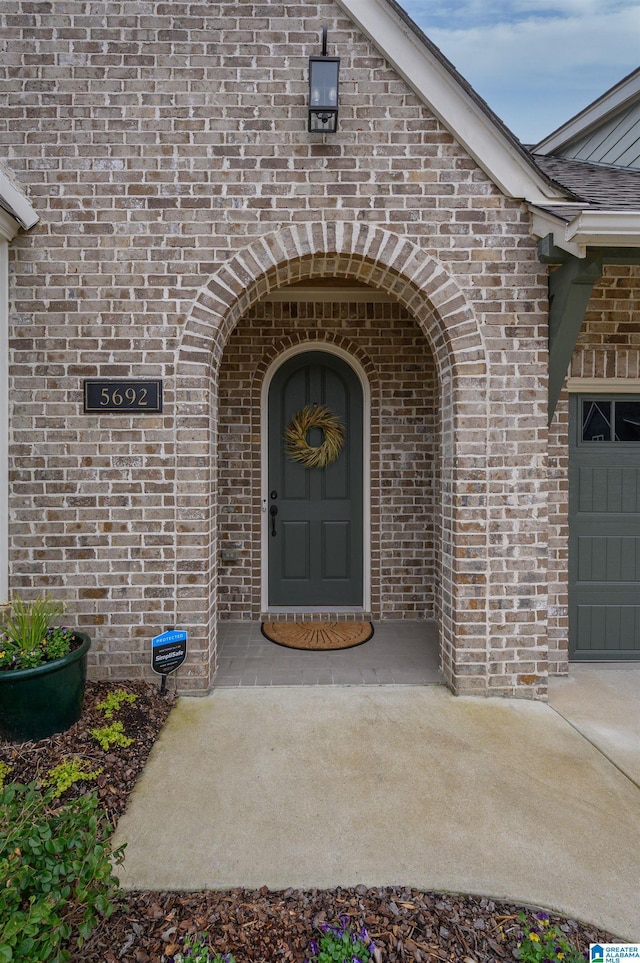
{"x": 142, "y": 720}
{"x": 261, "y": 926}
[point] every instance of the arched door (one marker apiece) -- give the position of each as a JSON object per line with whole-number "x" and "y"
{"x": 315, "y": 514}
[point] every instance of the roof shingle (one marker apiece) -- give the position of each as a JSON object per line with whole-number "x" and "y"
{"x": 600, "y": 187}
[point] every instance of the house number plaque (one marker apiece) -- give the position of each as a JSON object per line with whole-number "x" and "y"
{"x": 122, "y": 396}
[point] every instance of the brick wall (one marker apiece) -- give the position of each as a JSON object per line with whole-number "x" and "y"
{"x": 164, "y": 146}
{"x": 609, "y": 342}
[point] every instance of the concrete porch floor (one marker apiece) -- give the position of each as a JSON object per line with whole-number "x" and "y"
{"x": 400, "y": 653}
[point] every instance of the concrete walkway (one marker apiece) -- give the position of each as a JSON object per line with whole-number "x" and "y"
{"x": 602, "y": 702}
{"x": 390, "y": 785}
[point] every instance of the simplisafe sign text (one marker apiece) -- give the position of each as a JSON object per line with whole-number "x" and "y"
{"x": 168, "y": 651}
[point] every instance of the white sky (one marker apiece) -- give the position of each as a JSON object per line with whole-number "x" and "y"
{"x": 535, "y": 62}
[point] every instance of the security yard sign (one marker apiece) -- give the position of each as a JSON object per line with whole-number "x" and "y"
{"x": 168, "y": 651}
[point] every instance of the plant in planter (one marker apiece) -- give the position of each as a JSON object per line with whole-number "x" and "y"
{"x": 43, "y": 670}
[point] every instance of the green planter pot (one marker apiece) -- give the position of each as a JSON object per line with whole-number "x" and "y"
{"x": 35, "y": 703}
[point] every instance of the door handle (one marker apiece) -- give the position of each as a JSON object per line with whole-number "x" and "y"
{"x": 273, "y": 511}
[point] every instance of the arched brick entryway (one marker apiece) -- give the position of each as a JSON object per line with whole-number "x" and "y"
{"x": 398, "y": 267}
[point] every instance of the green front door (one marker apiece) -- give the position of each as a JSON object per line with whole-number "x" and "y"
{"x": 315, "y": 515}
{"x": 604, "y": 528}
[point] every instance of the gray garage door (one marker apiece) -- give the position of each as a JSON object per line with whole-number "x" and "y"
{"x": 604, "y": 528}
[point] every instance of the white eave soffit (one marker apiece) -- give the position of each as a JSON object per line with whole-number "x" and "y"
{"x": 438, "y": 88}
{"x": 588, "y": 229}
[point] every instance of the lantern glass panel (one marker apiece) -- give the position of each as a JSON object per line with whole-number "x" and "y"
{"x": 323, "y": 84}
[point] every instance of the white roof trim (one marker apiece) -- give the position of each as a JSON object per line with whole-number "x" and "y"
{"x": 589, "y": 229}
{"x": 543, "y": 223}
{"x": 438, "y": 87}
{"x": 16, "y": 204}
{"x": 610, "y": 102}
{"x": 604, "y": 228}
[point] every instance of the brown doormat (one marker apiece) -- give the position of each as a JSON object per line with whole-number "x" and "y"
{"x": 318, "y": 636}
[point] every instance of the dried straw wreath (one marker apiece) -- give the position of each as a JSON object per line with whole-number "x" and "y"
{"x": 295, "y": 437}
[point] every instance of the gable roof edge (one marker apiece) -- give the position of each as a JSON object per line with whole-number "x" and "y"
{"x": 612, "y": 101}
{"x": 434, "y": 79}
{"x": 15, "y": 203}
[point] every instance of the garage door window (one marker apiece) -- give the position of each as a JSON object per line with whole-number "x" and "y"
{"x": 606, "y": 421}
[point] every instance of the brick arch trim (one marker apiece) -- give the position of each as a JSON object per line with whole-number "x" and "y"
{"x": 361, "y": 252}
{"x": 381, "y": 260}
{"x": 314, "y": 340}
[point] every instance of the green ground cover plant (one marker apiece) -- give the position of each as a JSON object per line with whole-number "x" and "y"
{"x": 56, "y": 870}
{"x": 114, "y": 700}
{"x": 113, "y": 735}
{"x": 70, "y": 771}
{"x": 5, "y": 769}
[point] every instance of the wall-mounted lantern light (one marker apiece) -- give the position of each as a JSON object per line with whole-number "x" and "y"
{"x": 323, "y": 91}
